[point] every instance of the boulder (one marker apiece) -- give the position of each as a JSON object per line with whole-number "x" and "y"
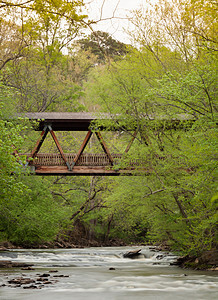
{"x": 21, "y": 280}
{"x": 132, "y": 254}
{"x": 9, "y": 264}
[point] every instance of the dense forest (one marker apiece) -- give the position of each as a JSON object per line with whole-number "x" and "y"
{"x": 52, "y": 60}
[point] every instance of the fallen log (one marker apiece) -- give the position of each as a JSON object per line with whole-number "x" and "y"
{"x": 132, "y": 254}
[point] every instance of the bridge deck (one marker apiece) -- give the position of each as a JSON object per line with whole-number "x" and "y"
{"x": 77, "y": 170}
{"x": 87, "y": 164}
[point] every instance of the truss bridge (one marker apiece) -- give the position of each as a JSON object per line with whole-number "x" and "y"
{"x": 81, "y": 163}
{"x": 72, "y": 164}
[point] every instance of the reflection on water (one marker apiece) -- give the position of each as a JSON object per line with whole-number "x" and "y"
{"x": 103, "y": 273}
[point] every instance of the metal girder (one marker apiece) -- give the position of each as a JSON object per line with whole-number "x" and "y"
{"x": 59, "y": 147}
{"x": 85, "y": 142}
{"x": 39, "y": 142}
{"x": 130, "y": 143}
{"x": 48, "y": 128}
{"x": 106, "y": 150}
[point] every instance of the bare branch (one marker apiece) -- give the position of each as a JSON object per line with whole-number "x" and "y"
{"x": 115, "y": 8}
{"x": 153, "y": 192}
{"x": 102, "y": 7}
{"x": 7, "y": 4}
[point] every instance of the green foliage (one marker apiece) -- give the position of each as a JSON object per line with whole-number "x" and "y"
{"x": 193, "y": 91}
{"x": 37, "y": 218}
{"x": 102, "y": 45}
{"x": 39, "y": 86}
{"x": 29, "y": 214}
{"x": 165, "y": 89}
{"x": 33, "y": 61}
{"x": 174, "y": 85}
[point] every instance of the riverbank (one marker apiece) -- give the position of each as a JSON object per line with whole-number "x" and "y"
{"x": 208, "y": 260}
{"x": 62, "y": 244}
{"x": 101, "y": 273}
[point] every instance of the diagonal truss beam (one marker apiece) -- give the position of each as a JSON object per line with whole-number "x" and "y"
{"x": 85, "y": 142}
{"x": 130, "y": 143}
{"x": 39, "y": 143}
{"x": 106, "y": 150}
{"x": 48, "y": 128}
{"x": 59, "y": 147}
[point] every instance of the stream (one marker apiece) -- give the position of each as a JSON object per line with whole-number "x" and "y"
{"x": 103, "y": 274}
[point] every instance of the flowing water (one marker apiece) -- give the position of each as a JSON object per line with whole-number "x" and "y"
{"x": 103, "y": 274}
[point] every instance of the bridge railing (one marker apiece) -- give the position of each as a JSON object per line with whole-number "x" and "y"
{"x": 87, "y": 159}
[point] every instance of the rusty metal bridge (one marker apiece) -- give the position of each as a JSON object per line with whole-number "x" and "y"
{"x": 71, "y": 164}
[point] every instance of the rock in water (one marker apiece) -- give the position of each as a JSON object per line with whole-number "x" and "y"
{"x": 132, "y": 254}
{"x": 10, "y": 264}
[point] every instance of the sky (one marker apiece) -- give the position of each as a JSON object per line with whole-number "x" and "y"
{"x": 106, "y": 9}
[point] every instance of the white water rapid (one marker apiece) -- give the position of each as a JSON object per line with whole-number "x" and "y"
{"x": 103, "y": 274}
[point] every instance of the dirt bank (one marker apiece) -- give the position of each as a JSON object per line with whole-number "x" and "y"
{"x": 208, "y": 260}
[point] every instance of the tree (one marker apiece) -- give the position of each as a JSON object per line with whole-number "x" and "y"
{"x": 37, "y": 89}
{"x": 172, "y": 76}
{"x": 29, "y": 213}
{"x": 103, "y": 46}
{"x": 42, "y": 22}
{"x": 186, "y": 26}
{"x": 12, "y": 44}
{"x": 36, "y": 66}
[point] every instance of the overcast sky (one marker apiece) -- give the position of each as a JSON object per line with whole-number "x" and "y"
{"x": 106, "y": 9}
